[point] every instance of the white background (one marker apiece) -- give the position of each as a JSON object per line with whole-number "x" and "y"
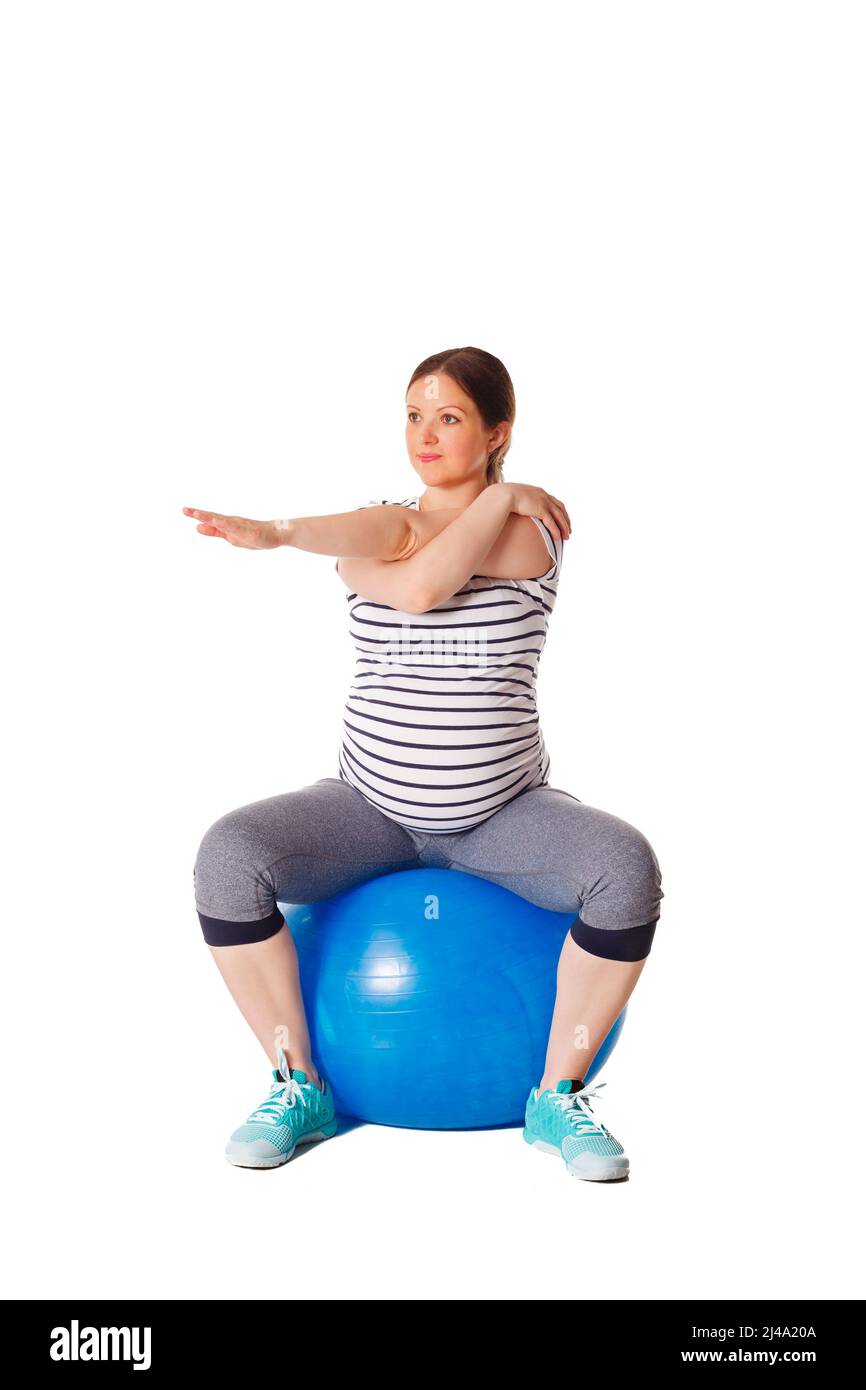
{"x": 231, "y": 232}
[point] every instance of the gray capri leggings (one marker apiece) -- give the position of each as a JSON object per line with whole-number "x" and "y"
{"x": 545, "y": 845}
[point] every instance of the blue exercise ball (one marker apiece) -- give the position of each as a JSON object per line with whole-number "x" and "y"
{"x": 429, "y": 995}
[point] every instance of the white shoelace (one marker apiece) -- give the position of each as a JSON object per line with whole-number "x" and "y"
{"x": 283, "y": 1095}
{"x": 579, "y": 1116}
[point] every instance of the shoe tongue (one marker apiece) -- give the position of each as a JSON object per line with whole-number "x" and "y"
{"x": 299, "y": 1076}
{"x": 570, "y": 1086}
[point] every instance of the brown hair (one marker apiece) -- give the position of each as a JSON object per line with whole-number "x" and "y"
{"x": 486, "y": 381}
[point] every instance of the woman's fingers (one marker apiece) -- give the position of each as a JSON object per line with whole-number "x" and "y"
{"x": 560, "y": 505}
{"x": 557, "y": 522}
{"x": 211, "y": 523}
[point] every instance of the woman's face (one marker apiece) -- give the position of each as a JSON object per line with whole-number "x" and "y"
{"x": 445, "y": 436}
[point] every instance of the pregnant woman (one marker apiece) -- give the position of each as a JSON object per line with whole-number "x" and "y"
{"x": 442, "y": 763}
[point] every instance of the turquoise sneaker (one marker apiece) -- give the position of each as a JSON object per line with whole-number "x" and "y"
{"x": 561, "y": 1122}
{"x": 295, "y": 1112}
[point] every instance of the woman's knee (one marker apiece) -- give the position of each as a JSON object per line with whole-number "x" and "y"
{"x": 233, "y": 896}
{"x": 622, "y": 902}
{"x": 223, "y": 852}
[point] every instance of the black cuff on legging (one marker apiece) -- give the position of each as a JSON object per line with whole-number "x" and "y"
{"x": 219, "y": 933}
{"x": 627, "y": 943}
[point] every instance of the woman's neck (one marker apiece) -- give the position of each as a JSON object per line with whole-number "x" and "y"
{"x": 442, "y": 499}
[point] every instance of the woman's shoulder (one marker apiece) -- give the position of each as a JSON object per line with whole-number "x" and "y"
{"x": 554, "y": 546}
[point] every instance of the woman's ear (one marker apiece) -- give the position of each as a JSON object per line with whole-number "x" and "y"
{"x": 501, "y": 435}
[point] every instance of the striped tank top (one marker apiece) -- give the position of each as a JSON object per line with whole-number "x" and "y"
{"x": 441, "y": 728}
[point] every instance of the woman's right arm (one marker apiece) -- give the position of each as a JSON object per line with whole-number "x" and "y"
{"x": 371, "y": 533}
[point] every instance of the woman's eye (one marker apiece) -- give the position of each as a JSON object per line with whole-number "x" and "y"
{"x": 450, "y": 417}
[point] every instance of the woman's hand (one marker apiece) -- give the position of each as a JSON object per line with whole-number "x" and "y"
{"x": 240, "y": 530}
{"x": 527, "y": 500}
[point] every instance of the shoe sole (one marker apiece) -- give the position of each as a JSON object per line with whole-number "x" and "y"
{"x": 326, "y": 1132}
{"x": 581, "y": 1168}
